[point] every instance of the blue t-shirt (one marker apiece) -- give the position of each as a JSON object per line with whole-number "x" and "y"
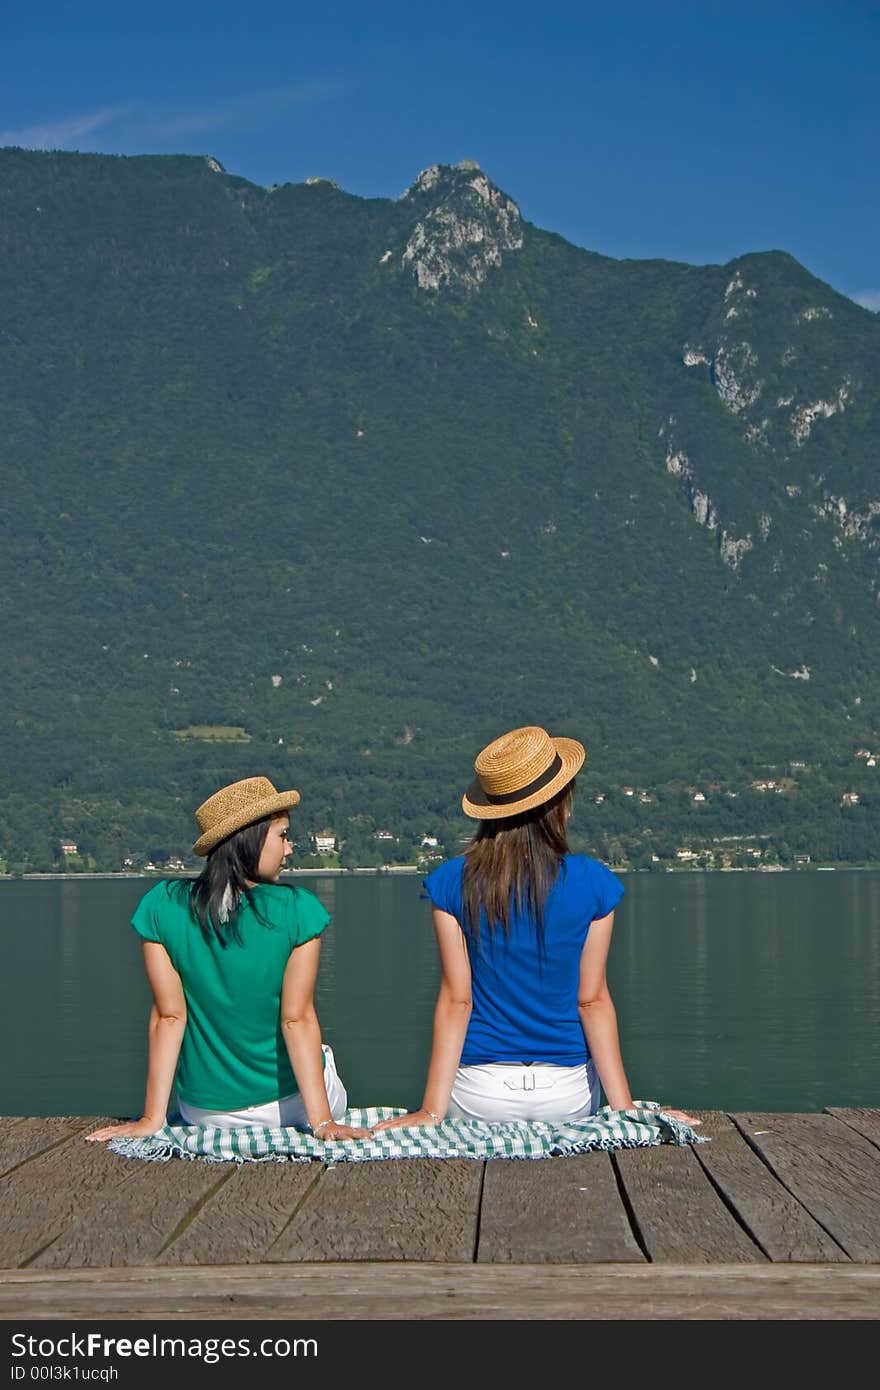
{"x": 525, "y": 1002}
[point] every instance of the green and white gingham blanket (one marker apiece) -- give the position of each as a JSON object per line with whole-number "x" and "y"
{"x": 645, "y": 1124}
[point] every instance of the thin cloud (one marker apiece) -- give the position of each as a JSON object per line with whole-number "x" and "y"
{"x": 136, "y": 124}
{"x": 55, "y": 135}
{"x": 234, "y": 115}
{"x": 869, "y": 299}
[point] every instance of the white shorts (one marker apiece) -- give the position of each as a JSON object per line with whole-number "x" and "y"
{"x": 515, "y": 1091}
{"x": 274, "y": 1114}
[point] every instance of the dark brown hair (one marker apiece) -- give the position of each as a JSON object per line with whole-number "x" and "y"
{"x": 229, "y": 865}
{"x": 513, "y": 863}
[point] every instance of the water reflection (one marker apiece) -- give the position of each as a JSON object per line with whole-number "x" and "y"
{"x": 736, "y": 991}
{"x": 771, "y": 988}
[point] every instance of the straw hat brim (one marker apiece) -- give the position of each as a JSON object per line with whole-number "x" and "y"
{"x": 571, "y": 754}
{"x": 246, "y": 815}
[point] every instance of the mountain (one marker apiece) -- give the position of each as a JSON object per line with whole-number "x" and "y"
{"x": 337, "y": 489}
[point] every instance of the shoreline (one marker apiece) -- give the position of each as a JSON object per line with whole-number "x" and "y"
{"x": 49, "y": 875}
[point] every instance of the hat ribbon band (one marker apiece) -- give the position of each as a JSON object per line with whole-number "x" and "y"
{"x": 504, "y": 798}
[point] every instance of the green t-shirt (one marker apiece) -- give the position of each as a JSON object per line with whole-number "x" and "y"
{"x": 233, "y": 1054}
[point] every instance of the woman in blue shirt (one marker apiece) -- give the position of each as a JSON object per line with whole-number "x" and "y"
{"x": 524, "y": 1025}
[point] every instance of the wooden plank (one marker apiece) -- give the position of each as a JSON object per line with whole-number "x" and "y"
{"x": 131, "y": 1224}
{"x": 780, "y": 1225}
{"x": 831, "y": 1169}
{"x": 245, "y": 1216}
{"x": 40, "y": 1198}
{"x": 864, "y": 1122}
{"x": 448, "y": 1292}
{"x": 556, "y": 1211}
{"x": 28, "y": 1137}
{"x": 677, "y": 1213}
{"x": 393, "y": 1209}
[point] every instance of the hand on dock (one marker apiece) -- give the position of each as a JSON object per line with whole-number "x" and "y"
{"x": 335, "y": 1132}
{"x": 413, "y": 1120}
{"x": 681, "y": 1115}
{"x": 131, "y": 1129}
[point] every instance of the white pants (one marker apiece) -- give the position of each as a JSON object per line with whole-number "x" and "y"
{"x": 289, "y": 1110}
{"x": 513, "y": 1091}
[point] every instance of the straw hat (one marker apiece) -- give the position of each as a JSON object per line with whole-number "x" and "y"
{"x": 238, "y": 805}
{"x": 519, "y": 771}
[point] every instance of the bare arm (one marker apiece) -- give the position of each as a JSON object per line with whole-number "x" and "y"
{"x": 164, "y": 1036}
{"x": 302, "y": 1038}
{"x": 451, "y": 1016}
{"x": 598, "y": 1016}
{"x": 599, "y": 1019}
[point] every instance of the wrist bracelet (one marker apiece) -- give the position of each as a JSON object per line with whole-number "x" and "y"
{"x": 438, "y": 1119}
{"x": 316, "y": 1129}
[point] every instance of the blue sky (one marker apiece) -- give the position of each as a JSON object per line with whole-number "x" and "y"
{"x": 691, "y": 131}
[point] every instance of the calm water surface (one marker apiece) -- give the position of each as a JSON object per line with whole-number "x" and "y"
{"x": 734, "y": 991}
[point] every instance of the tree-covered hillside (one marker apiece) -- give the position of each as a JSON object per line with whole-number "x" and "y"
{"x": 337, "y": 489}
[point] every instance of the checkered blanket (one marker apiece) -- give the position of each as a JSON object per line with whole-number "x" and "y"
{"x": 645, "y": 1124}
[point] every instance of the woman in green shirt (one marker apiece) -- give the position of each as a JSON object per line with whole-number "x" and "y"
{"x": 232, "y": 960}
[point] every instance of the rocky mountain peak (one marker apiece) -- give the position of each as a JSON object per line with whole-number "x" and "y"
{"x": 465, "y": 225}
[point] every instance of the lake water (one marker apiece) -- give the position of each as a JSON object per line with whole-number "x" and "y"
{"x": 750, "y": 991}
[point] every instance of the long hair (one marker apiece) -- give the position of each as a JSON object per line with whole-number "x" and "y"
{"x": 514, "y": 862}
{"x": 215, "y": 896}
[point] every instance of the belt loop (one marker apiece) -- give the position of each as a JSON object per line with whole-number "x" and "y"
{"x": 529, "y": 1081}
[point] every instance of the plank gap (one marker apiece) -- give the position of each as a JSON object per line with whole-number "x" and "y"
{"x": 43, "y": 1248}
{"x": 782, "y": 1183}
{"x": 193, "y": 1212}
{"x": 479, "y": 1214}
{"x": 734, "y": 1211}
{"x": 845, "y": 1116}
{"x": 41, "y": 1153}
{"x": 628, "y": 1207}
{"x": 306, "y": 1196}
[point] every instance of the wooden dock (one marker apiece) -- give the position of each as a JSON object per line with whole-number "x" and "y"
{"x": 779, "y": 1217}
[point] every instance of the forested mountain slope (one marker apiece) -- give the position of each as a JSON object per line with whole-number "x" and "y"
{"x": 370, "y": 481}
